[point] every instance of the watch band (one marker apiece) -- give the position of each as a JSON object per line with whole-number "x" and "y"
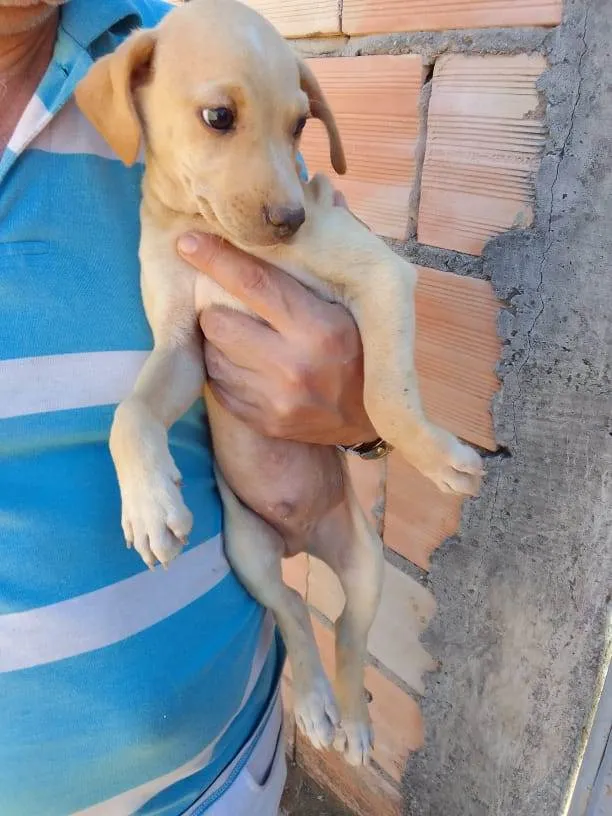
{"x": 377, "y": 449}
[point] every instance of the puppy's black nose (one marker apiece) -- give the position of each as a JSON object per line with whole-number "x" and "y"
{"x": 287, "y": 220}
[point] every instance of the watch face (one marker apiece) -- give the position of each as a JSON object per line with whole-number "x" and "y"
{"x": 370, "y": 450}
{"x": 380, "y": 450}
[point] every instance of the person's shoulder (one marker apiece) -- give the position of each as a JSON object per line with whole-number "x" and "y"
{"x": 102, "y": 30}
{"x": 151, "y": 11}
{"x": 99, "y": 27}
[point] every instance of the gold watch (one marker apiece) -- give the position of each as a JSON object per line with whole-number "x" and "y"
{"x": 377, "y": 449}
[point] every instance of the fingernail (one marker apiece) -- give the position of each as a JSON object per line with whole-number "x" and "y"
{"x": 187, "y": 244}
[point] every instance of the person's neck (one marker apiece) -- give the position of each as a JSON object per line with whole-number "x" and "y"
{"x": 25, "y": 52}
{"x": 24, "y": 57}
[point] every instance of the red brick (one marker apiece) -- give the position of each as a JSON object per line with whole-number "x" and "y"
{"x": 418, "y": 517}
{"x": 300, "y": 18}
{"x": 376, "y": 103}
{"x": 485, "y": 136}
{"x": 377, "y": 16}
{"x": 456, "y": 351}
{"x": 363, "y": 790}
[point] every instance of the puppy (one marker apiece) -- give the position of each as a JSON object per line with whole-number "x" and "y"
{"x": 219, "y": 100}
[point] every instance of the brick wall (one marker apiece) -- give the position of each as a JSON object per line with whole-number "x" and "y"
{"x": 443, "y": 130}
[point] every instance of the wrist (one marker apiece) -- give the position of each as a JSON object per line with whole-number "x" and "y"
{"x": 376, "y": 449}
{"x": 365, "y": 442}
{"x": 358, "y": 434}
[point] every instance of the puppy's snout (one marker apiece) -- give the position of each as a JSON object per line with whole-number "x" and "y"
{"x": 286, "y": 220}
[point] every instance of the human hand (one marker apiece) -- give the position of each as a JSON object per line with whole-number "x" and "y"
{"x": 299, "y": 374}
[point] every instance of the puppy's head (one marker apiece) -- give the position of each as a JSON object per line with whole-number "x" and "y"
{"x": 220, "y": 100}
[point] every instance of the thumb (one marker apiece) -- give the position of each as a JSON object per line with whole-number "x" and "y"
{"x": 269, "y": 293}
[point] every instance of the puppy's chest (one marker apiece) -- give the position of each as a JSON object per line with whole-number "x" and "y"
{"x": 209, "y": 293}
{"x": 169, "y": 281}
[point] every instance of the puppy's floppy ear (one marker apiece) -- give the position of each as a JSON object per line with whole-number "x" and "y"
{"x": 319, "y": 109}
{"x": 105, "y": 95}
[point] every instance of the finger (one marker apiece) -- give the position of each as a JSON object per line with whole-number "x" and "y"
{"x": 273, "y": 295}
{"x": 245, "y": 411}
{"x": 241, "y": 382}
{"x": 244, "y": 340}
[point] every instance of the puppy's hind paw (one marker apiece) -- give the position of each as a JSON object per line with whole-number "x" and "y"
{"x": 316, "y": 714}
{"x": 356, "y": 741}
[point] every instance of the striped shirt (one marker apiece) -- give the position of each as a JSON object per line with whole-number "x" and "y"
{"x": 121, "y": 690}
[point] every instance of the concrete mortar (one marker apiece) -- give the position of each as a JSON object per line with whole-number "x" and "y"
{"x": 429, "y": 44}
{"x": 522, "y": 595}
{"x": 443, "y": 259}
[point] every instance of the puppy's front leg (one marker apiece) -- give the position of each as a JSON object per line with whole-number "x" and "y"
{"x": 154, "y": 517}
{"x": 384, "y": 312}
{"x": 378, "y": 288}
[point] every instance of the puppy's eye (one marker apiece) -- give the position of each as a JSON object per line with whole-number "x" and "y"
{"x": 299, "y": 127}
{"x": 219, "y": 118}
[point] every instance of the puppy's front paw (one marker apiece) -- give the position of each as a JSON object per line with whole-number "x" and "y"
{"x": 452, "y": 466}
{"x": 459, "y": 468}
{"x": 322, "y": 190}
{"x": 316, "y": 713}
{"x": 355, "y": 739}
{"x": 154, "y": 518}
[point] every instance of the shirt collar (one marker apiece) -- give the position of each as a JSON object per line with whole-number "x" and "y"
{"x": 81, "y": 23}
{"x": 85, "y": 21}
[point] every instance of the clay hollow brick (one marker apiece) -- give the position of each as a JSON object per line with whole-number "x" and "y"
{"x": 300, "y": 18}
{"x": 376, "y": 102}
{"x": 485, "y": 136}
{"x": 379, "y": 16}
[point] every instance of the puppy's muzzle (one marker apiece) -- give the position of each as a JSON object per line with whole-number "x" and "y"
{"x": 285, "y": 220}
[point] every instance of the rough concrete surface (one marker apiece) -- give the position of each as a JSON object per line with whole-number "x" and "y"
{"x": 430, "y": 44}
{"x": 523, "y": 595}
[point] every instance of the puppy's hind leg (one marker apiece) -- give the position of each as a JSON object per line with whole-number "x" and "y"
{"x": 354, "y": 552}
{"x": 255, "y": 551}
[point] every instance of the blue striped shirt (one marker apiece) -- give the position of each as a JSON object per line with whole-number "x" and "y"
{"x": 121, "y": 690}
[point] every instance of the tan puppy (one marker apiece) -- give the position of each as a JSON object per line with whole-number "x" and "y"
{"x": 221, "y": 99}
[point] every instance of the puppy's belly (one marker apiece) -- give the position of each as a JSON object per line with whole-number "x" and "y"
{"x": 290, "y": 484}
